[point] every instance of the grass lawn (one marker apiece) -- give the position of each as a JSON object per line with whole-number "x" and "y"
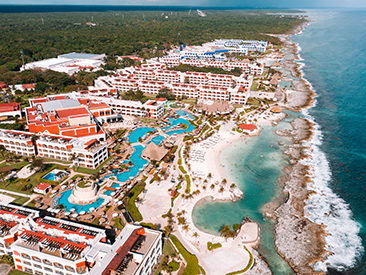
{"x": 17, "y": 272}
{"x": 15, "y": 165}
{"x": 20, "y": 200}
{"x": 91, "y": 171}
{"x": 182, "y": 169}
{"x": 254, "y": 86}
{"x": 129, "y": 201}
{"x": 118, "y": 223}
{"x": 192, "y": 262}
{"x": 17, "y": 185}
{"x": 168, "y": 249}
{"x": 57, "y": 160}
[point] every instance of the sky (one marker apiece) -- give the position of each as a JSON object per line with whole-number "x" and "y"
{"x": 206, "y": 3}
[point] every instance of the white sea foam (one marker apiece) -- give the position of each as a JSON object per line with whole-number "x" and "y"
{"x": 327, "y": 208}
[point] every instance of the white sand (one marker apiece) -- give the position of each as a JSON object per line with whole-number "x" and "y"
{"x": 156, "y": 202}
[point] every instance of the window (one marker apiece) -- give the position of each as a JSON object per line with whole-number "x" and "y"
{"x": 37, "y": 266}
{"x": 48, "y": 269}
{"x": 47, "y": 262}
{"x": 27, "y": 263}
{"x": 36, "y": 259}
{"x": 28, "y": 270}
{"x": 59, "y": 272}
{"x": 26, "y": 256}
{"x": 38, "y": 272}
{"x": 69, "y": 268}
{"x": 58, "y": 265}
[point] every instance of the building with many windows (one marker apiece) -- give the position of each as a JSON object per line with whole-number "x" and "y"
{"x": 46, "y": 245}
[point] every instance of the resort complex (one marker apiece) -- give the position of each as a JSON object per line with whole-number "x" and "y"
{"x": 104, "y": 172}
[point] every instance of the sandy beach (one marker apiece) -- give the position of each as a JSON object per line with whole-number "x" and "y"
{"x": 156, "y": 202}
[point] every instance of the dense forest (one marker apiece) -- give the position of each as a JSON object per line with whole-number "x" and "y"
{"x": 143, "y": 33}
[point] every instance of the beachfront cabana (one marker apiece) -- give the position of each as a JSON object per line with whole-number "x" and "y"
{"x": 154, "y": 152}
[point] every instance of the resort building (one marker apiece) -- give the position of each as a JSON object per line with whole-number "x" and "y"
{"x": 42, "y": 188}
{"x": 240, "y": 96}
{"x": 18, "y": 142}
{"x": 151, "y": 87}
{"x": 216, "y": 93}
{"x": 10, "y": 110}
{"x": 62, "y": 115}
{"x": 188, "y": 90}
{"x": 52, "y": 246}
{"x": 68, "y": 63}
{"x": 89, "y": 154}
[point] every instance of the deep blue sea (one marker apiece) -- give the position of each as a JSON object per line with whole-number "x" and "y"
{"x": 333, "y": 49}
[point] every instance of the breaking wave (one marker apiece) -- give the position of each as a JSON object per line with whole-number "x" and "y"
{"x": 324, "y": 207}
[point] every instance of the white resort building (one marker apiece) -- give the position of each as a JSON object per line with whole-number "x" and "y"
{"x": 46, "y": 245}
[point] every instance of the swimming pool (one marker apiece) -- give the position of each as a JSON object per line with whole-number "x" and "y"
{"x": 63, "y": 198}
{"x": 56, "y": 175}
{"x": 139, "y": 132}
{"x": 157, "y": 140}
{"x": 49, "y": 176}
{"x": 184, "y": 113}
{"x": 176, "y": 121}
{"x": 138, "y": 163}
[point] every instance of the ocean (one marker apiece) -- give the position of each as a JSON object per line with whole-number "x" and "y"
{"x": 333, "y": 52}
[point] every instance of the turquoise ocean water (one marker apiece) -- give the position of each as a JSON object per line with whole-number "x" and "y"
{"x": 333, "y": 49}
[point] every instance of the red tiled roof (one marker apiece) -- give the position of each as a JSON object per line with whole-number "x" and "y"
{"x": 69, "y": 112}
{"x": 249, "y": 127}
{"x": 42, "y": 186}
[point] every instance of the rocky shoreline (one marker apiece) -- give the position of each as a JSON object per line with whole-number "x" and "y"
{"x": 298, "y": 240}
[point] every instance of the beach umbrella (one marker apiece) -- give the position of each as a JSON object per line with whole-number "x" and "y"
{"x": 89, "y": 217}
{"x": 67, "y": 213}
{"x": 119, "y": 203}
{"x": 72, "y": 210}
{"x": 49, "y": 209}
{"x": 74, "y": 215}
{"x": 115, "y": 215}
{"x": 91, "y": 209}
{"x": 116, "y": 200}
{"x": 82, "y": 213}
{"x": 113, "y": 193}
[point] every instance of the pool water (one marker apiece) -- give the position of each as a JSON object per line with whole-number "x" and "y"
{"x": 176, "y": 121}
{"x": 50, "y": 176}
{"x": 184, "y": 113}
{"x": 138, "y": 163}
{"x": 108, "y": 192}
{"x": 139, "y": 132}
{"x": 64, "y": 199}
{"x": 157, "y": 140}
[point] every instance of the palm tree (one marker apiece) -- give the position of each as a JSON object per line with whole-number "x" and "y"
{"x": 209, "y": 175}
{"x": 37, "y": 164}
{"x": 225, "y": 231}
{"x": 167, "y": 230}
{"x": 195, "y": 235}
{"x": 233, "y": 185}
{"x": 212, "y": 186}
{"x": 224, "y": 181}
{"x": 221, "y": 189}
{"x": 182, "y": 221}
{"x": 185, "y": 228}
